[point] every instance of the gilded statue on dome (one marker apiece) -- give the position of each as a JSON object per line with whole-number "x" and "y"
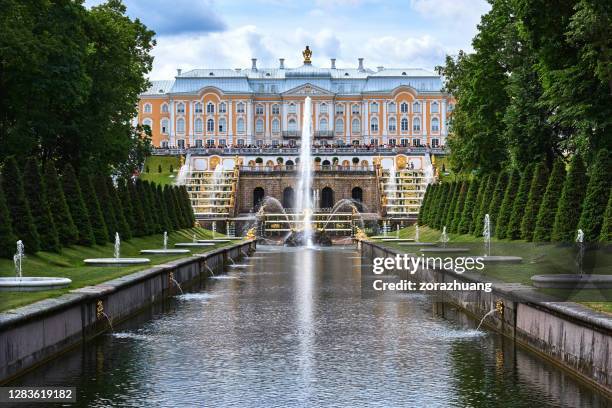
{"x": 307, "y": 54}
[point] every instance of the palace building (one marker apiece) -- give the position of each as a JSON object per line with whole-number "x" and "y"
{"x": 375, "y": 134}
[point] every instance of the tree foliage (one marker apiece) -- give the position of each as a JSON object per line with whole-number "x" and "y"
{"x": 520, "y": 201}
{"x": 570, "y": 203}
{"x": 596, "y": 199}
{"x": 66, "y": 229}
{"x": 78, "y": 210}
{"x": 505, "y": 211}
{"x": 7, "y": 237}
{"x": 534, "y": 198}
{"x": 548, "y": 207}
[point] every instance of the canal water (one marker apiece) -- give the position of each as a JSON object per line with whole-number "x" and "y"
{"x": 293, "y": 330}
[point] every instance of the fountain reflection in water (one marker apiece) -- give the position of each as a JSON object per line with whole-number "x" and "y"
{"x": 304, "y": 197}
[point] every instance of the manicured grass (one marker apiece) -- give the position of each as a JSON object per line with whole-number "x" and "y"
{"x": 69, "y": 264}
{"x": 165, "y": 177}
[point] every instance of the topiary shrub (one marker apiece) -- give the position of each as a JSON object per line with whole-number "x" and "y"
{"x": 123, "y": 225}
{"x": 107, "y": 205}
{"x": 96, "y": 219}
{"x": 596, "y": 199}
{"x": 456, "y": 218}
{"x": 497, "y": 198}
{"x": 139, "y": 228}
{"x": 78, "y": 211}
{"x": 159, "y": 168}
{"x": 520, "y": 201}
{"x": 550, "y": 201}
{"x": 534, "y": 198}
{"x": 570, "y": 203}
{"x": 467, "y": 214}
{"x": 7, "y": 237}
{"x": 478, "y": 221}
{"x": 606, "y": 229}
{"x": 505, "y": 212}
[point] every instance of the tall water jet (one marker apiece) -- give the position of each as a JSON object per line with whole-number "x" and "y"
{"x": 117, "y": 251}
{"x": 580, "y": 255}
{"x": 18, "y": 259}
{"x": 428, "y": 170}
{"x": 116, "y": 260}
{"x": 444, "y": 237}
{"x": 304, "y": 197}
{"x": 486, "y": 233}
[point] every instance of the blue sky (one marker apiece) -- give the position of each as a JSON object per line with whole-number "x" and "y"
{"x": 228, "y": 33}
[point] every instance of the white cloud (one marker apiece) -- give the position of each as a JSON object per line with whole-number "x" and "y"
{"x": 452, "y": 11}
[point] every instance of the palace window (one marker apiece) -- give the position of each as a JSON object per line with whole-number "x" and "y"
{"x": 392, "y": 142}
{"x": 404, "y": 107}
{"x": 339, "y": 109}
{"x": 210, "y": 143}
{"x": 240, "y": 142}
{"x": 405, "y": 142}
{"x": 391, "y": 107}
{"x": 198, "y": 143}
{"x": 435, "y": 108}
{"x": 181, "y": 143}
{"x": 148, "y": 122}
{"x": 148, "y": 108}
{"x": 416, "y": 125}
{"x": 404, "y": 125}
{"x": 435, "y": 125}
{"x": 164, "y": 126}
{"x": 355, "y": 142}
{"x": 180, "y": 125}
{"x": 435, "y": 142}
{"x": 416, "y": 107}
{"x": 339, "y": 126}
{"x": 392, "y": 125}
{"x": 323, "y": 108}
{"x": 198, "y": 107}
{"x": 323, "y": 125}
{"x": 259, "y": 126}
{"x": 199, "y": 125}
{"x": 240, "y": 125}
{"x": 275, "y": 126}
{"x": 180, "y": 108}
{"x": 259, "y": 143}
{"x": 222, "y": 125}
{"x": 374, "y": 107}
{"x": 210, "y": 108}
{"x": 210, "y": 125}
{"x": 222, "y": 107}
{"x": 292, "y": 108}
{"x": 374, "y": 125}
{"x": 275, "y": 143}
{"x": 373, "y": 142}
{"x": 240, "y": 107}
{"x": 355, "y": 109}
{"x": 356, "y": 126}
{"x": 275, "y": 109}
{"x": 292, "y": 125}
{"x": 259, "y": 110}
{"x": 416, "y": 142}
{"x": 164, "y": 108}
{"x": 222, "y": 143}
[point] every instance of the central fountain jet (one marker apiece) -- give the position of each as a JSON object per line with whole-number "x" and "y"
{"x": 304, "y": 195}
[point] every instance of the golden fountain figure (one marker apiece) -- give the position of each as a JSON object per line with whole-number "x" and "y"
{"x": 251, "y": 234}
{"x": 307, "y": 54}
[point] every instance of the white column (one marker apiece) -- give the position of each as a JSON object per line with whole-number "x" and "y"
{"x": 249, "y": 113}
{"x": 172, "y": 136}
{"x": 191, "y": 122}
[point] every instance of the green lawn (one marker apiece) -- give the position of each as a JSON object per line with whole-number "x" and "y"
{"x": 538, "y": 259}
{"x": 69, "y": 264}
{"x": 165, "y": 177}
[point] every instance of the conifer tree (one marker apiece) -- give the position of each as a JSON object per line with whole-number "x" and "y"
{"x": 431, "y": 206}
{"x": 550, "y": 201}
{"x": 143, "y": 196}
{"x": 505, "y": 212}
{"x": 172, "y": 213}
{"x": 7, "y": 237}
{"x": 126, "y": 204}
{"x": 518, "y": 208}
{"x": 96, "y": 218}
{"x": 78, "y": 211}
{"x": 188, "y": 207}
{"x": 463, "y": 190}
{"x": 570, "y": 203}
{"x": 163, "y": 210}
{"x": 442, "y": 204}
{"x": 449, "y": 207}
{"x": 534, "y": 198}
{"x": 66, "y": 229}
{"x": 123, "y": 226}
{"x": 478, "y": 222}
{"x": 496, "y": 200}
{"x": 180, "y": 210}
{"x": 606, "y": 229}
{"x": 17, "y": 203}
{"x": 36, "y": 193}
{"x": 468, "y": 208}
{"x": 140, "y": 227}
{"x": 107, "y": 205}
{"x": 424, "y": 203}
{"x": 155, "y": 212}
{"x": 596, "y": 199}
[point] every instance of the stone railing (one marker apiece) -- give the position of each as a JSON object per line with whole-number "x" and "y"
{"x": 344, "y": 150}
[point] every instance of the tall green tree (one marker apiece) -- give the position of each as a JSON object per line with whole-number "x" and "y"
{"x": 139, "y": 229}
{"x": 62, "y": 218}
{"x": 107, "y": 206}
{"x": 494, "y": 206}
{"x": 19, "y": 208}
{"x": 505, "y": 212}
{"x": 78, "y": 210}
{"x": 126, "y": 203}
{"x": 538, "y": 185}
{"x": 438, "y": 215}
{"x": 147, "y": 210}
{"x": 7, "y": 237}
{"x": 518, "y": 208}
{"x": 426, "y": 200}
{"x": 570, "y": 203}
{"x": 36, "y": 193}
{"x": 467, "y": 214}
{"x": 449, "y": 206}
{"x": 550, "y": 201}
{"x": 454, "y": 225}
{"x": 606, "y": 229}
{"x": 96, "y": 217}
{"x": 598, "y": 190}
{"x": 171, "y": 206}
{"x": 123, "y": 226}
{"x": 188, "y": 207}
{"x": 163, "y": 209}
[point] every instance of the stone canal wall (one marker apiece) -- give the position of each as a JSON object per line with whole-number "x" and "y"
{"x": 575, "y": 337}
{"x": 38, "y": 332}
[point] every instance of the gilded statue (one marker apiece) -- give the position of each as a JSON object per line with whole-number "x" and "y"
{"x": 307, "y": 54}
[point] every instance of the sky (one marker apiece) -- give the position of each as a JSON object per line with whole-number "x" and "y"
{"x": 228, "y": 33}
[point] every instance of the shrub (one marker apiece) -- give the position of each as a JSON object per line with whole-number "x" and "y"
{"x": 170, "y": 205}
{"x": 355, "y": 160}
{"x": 123, "y": 225}
{"x": 163, "y": 210}
{"x": 171, "y": 168}
{"x": 425, "y": 203}
{"x": 465, "y": 222}
{"x": 7, "y": 237}
{"x": 449, "y": 206}
{"x": 570, "y": 203}
{"x": 432, "y": 204}
{"x": 148, "y": 227}
{"x": 454, "y": 223}
{"x": 606, "y": 229}
{"x": 478, "y": 221}
{"x": 505, "y": 212}
{"x": 496, "y": 200}
{"x": 550, "y": 201}
{"x": 596, "y": 199}
{"x": 140, "y": 223}
{"x": 534, "y": 198}
{"x": 96, "y": 219}
{"x": 159, "y": 168}
{"x": 107, "y": 205}
{"x": 126, "y": 203}
{"x": 279, "y": 160}
{"x": 78, "y": 211}
{"x": 438, "y": 215}
{"x": 518, "y": 208}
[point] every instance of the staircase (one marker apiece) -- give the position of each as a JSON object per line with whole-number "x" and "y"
{"x": 212, "y": 193}
{"x": 403, "y": 192}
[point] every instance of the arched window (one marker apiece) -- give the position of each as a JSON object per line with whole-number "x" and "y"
{"x": 416, "y": 125}
{"x": 259, "y": 126}
{"x": 198, "y": 107}
{"x": 404, "y": 125}
{"x": 416, "y": 107}
{"x": 435, "y": 108}
{"x": 292, "y": 108}
{"x": 275, "y": 109}
{"x": 148, "y": 122}
{"x": 210, "y": 107}
{"x": 240, "y": 125}
{"x": 355, "y": 109}
{"x": 327, "y": 198}
{"x": 292, "y": 125}
{"x": 374, "y": 125}
{"x": 164, "y": 126}
{"x": 288, "y": 195}
{"x": 275, "y": 126}
{"x": 339, "y": 126}
{"x": 339, "y": 109}
{"x": 180, "y": 125}
{"x": 259, "y": 110}
{"x": 323, "y": 108}
{"x": 210, "y": 125}
{"x": 199, "y": 125}
{"x": 404, "y": 107}
{"x": 391, "y": 107}
{"x": 180, "y": 108}
{"x": 357, "y": 196}
{"x": 323, "y": 125}
{"x": 374, "y": 107}
{"x": 164, "y": 108}
{"x": 148, "y": 108}
{"x": 435, "y": 125}
{"x": 356, "y": 126}
{"x": 258, "y": 195}
{"x": 222, "y": 125}
{"x": 289, "y": 163}
{"x": 240, "y": 107}
{"x": 222, "y": 107}
{"x": 392, "y": 125}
